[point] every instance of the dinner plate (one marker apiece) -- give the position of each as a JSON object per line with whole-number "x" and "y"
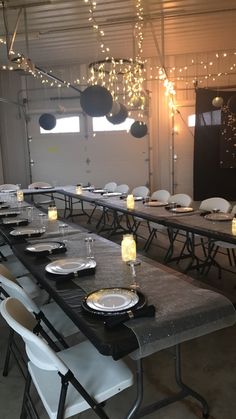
{"x": 112, "y": 194}
{"x": 181, "y": 209}
{"x": 7, "y": 190}
{"x": 70, "y": 265}
{"x": 9, "y": 213}
{"x": 156, "y": 204}
{"x": 3, "y": 206}
{"x": 99, "y": 190}
{"x": 219, "y": 216}
{"x": 113, "y": 301}
{"x": 48, "y": 247}
{"x": 15, "y": 221}
{"x": 26, "y": 231}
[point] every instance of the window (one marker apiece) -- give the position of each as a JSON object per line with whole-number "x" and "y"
{"x": 64, "y": 125}
{"x": 102, "y": 124}
{"x": 206, "y": 118}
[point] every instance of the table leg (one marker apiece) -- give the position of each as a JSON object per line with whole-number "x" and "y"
{"x": 185, "y": 391}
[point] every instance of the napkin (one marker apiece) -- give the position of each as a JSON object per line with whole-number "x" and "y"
{"x": 78, "y": 274}
{"x": 148, "y": 311}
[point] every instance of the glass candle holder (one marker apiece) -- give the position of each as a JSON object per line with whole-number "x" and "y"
{"x": 52, "y": 213}
{"x": 19, "y": 195}
{"x": 234, "y": 226}
{"x": 128, "y": 248}
{"x": 130, "y": 202}
{"x": 79, "y": 189}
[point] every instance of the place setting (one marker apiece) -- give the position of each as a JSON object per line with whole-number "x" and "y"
{"x": 73, "y": 267}
{"x": 116, "y": 305}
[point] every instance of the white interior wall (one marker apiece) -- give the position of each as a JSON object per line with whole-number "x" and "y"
{"x": 73, "y": 158}
{"x": 14, "y": 167}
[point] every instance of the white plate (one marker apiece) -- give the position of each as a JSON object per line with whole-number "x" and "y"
{"x": 99, "y": 190}
{"x": 112, "y": 194}
{"x": 219, "y": 216}
{"x": 8, "y": 212}
{"x": 156, "y": 204}
{"x": 112, "y": 299}
{"x": 7, "y": 190}
{"x": 182, "y": 209}
{"x": 69, "y": 265}
{"x": 15, "y": 221}
{"x": 25, "y": 231}
{"x": 43, "y": 247}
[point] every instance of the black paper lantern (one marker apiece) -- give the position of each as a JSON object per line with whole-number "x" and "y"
{"x": 119, "y": 117}
{"x": 47, "y": 121}
{"x": 138, "y": 129}
{"x": 96, "y": 101}
{"x": 232, "y": 104}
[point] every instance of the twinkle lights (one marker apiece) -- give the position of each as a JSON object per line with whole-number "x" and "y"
{"x": 99, "y": 32}
{"x": 123, "y": 77}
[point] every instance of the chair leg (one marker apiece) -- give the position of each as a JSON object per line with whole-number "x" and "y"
{"x": 8, "y": 353}
{"x": 229, "y": 257}
{"x": 26, "y": 397}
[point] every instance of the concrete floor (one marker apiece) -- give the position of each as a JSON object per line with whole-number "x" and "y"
{"x": 208, "y": 363}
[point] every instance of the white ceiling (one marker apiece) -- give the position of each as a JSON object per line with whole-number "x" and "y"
{"x": 59, "y": 31}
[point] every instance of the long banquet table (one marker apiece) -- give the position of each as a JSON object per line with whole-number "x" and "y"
{"x": 183, "y": 310}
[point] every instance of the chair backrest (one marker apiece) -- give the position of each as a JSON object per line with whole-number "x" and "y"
{"x": 5, "y": 272}
{"x": 142, "y": 191}
{"x": 122, "y": 188}
{"x": 215, "y": 203}
{"x": 110, "y": 187}
{"x": 14, "y": 290}
{"x": 160, "y": 195}
{"x": 39, "y": 185}
{"x": 9, "y": 186}
{"x": 233, "y": 211}
{"x": 23, "y": 322}
{"x": 181, "y": 199}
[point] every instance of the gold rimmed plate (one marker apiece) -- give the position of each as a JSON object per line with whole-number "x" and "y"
{"x": 181, "y": 210}
{"x": 155, "y": 204}
{"x": 219, "y": 216}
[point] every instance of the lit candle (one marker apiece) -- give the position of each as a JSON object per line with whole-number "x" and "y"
{"x": 128, "y": 248}
{"x": 52, "y": 213}
{"x": 79, "y": 189}
{"x": 130, "y": 202}
{"x": 234, "y": 226}
{"x": 20, "y": 195}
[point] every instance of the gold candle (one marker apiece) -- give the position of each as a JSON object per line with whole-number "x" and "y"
{"x": 52, "y": 213}
{"x": 128, "y": 248}
{"x": 20, "y": 195}
{"x": 130, "y": 202}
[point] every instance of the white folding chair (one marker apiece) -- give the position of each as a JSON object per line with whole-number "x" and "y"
{"x": 123, "y": 188}
{"x": 194, "y": 240}
{"x": 54, "y": 324}
{"x": 220, "y": 246}
{"x": 9, "y": 187}
{"x": 43, "y": 201}
{"x": 179, "y": 199}
{"x": 70, "y": 381}
{"x": 108, "y": 187}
